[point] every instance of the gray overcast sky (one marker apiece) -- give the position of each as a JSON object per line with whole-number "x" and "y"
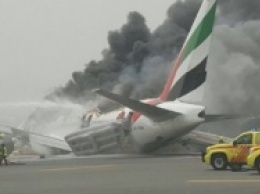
{"x": 43, "y": 41}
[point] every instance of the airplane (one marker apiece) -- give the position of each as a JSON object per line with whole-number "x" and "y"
{"x": 156, "y": 122}
{"x": 170, "y": 116}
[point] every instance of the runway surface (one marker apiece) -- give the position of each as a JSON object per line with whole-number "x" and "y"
{"x": 125, "y": 174}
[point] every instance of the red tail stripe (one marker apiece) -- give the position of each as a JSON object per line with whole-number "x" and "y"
{"x": 167, "y": 88}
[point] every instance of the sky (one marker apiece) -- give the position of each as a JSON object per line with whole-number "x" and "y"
{"x": 43, "y": 41}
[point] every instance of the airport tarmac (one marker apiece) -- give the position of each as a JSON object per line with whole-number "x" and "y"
{"x": 123, "y": 174}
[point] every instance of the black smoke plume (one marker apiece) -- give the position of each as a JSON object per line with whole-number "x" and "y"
{"x": 137, "y": 61}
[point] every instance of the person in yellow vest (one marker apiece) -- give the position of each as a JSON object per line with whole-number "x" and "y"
{"x": 3, "y": 154}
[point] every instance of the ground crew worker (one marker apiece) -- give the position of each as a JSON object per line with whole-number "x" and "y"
{"x": 3, "y": 154}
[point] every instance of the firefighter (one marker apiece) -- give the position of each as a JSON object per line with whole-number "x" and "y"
{"x": 3, "y": 154}
{"x": 128, "y": 123}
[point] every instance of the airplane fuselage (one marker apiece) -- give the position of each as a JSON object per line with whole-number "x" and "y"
{"x": 148, "y": 135}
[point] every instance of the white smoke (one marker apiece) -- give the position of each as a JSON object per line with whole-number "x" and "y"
{"x": 37, "y": 104}
{"x": 56, "y": 119}
{"x": 234, "y": 66}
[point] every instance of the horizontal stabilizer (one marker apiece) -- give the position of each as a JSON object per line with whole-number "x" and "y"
{"x": 214, "y": 118}
{"x": 155, "y": 113}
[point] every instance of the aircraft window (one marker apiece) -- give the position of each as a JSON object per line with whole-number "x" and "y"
{"x": 245, "y": 139}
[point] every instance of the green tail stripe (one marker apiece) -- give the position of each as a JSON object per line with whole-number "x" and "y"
{"x": 203, "y": 30}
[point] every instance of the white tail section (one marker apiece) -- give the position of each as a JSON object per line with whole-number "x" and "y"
{"x": 189, "y": 70}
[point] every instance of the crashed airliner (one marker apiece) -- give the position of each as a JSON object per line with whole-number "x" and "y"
{"x": 153, "y": 123}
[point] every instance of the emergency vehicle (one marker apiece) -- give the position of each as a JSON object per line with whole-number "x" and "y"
{"x": 233, "y": 154}
{"x": 253, "y": 160}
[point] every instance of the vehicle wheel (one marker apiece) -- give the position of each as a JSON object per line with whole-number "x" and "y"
{"x": 219, "y": 162}
{"x": 257, "y": 165}
{"x": 236, "y": 167}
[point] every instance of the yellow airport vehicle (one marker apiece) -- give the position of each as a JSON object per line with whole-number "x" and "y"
{"x": 253, "y": 160}
{"x": 233, "y": 154}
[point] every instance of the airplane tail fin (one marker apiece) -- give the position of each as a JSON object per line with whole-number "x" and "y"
{"x": 189, "y": 70}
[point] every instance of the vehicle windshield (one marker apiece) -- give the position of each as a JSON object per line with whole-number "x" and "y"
{"x": 245, "y": 139}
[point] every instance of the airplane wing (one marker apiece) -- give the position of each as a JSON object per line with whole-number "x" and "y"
{"x": 49, "y": 141}
{"x": 155, "y": 113}
{"x": 29, "y": 136}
